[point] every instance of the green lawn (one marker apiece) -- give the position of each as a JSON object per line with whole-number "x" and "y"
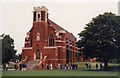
{"x": 80, "y": 72}
{"x": 59, "y": 73}
{"x": 81, "y": 65}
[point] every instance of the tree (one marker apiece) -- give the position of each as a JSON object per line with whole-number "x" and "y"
{"x": 18, "y": 57}
{"x": 101, "y": 38}
{"x": 8, "y": 51}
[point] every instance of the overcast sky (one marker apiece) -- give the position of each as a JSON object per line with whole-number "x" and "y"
{"x": 72, "y": 15}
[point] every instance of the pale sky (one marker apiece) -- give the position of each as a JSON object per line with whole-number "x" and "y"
{"x": 16, "y": 16}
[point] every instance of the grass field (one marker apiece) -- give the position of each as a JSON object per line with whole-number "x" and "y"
{"x": 70, "y": 73}
{"x": 59, "y": 73}
{"x": 81, "y": 65}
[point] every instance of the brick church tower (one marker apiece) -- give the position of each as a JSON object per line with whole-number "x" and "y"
{"x": 48, "y": 43}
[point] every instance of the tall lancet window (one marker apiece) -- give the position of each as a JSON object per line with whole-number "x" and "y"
{"x": 38, "y": 15}
{"x": 39, "y": 18}
{"x": 34, "y": 16}
{"x": 51, "y": 40}
{"x": 42, "y": 15}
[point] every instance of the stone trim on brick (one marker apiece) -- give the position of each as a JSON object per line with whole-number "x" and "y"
{"x": 56, "y": 59}
{"x": 50, "y": 47}
{"x": 59, "y": 41}
{"x": 27, "y": 42}
{"x": 27, "y": 48}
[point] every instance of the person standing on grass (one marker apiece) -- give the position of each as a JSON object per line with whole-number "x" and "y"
{"x": 89, "y": 66}
{"x": 67, "y": 66}
{"x": 51, "y": 66}
{"x": 86, "y": 66}
{"x": 96, "y": 66}
{"x": 6, "y": 66}
{"x": 76, "y": 67}
{"x": 47, "y": 66}
{"x": 71, "y": 66}
{"x": 42, "y": 66}
{"x": 15, "y": 66}
{"x": 25, "y": 67}
{"x": 101, "y": 66}
{"x": 20, "y": 66}
{"x": 61, "y": 66}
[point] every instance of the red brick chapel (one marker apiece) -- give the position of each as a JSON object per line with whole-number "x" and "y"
{"x": 47, "y": 42}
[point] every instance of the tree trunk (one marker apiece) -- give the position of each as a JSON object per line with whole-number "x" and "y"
{"x": 105, "y": 64}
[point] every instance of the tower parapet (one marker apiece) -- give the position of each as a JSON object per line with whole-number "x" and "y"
{"x": 40, "y": 14}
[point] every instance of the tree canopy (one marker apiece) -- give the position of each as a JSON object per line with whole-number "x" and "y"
{"x": 8, "y": 51}
{"x": 101, "y": 37}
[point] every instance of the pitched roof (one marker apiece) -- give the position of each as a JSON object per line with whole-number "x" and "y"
{"x": 69, "y": 35}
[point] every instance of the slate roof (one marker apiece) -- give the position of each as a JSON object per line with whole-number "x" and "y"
{"x": 69, "y": 35}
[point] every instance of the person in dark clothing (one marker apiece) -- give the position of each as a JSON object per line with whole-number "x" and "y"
{"x": 89, "y": 66}
{"x": 15, "y": 67}
{"x": 73, "y": 66}
{"x": 86, "y": 65}
{"x": 76, "y": 67}
{"x": 42, "y": 66}
{"x": 47, "y": 67}
{"x": 61, "y": 66}
{"x": 65, "y": 66}
{"x": 96, "y": 66}
{"x": 4, "y": 66}
{"x": 21, "y": 66}
{"x": 101, "y": 67}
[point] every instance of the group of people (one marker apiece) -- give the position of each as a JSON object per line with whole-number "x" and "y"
{"x": 67, "y": 66}
{"x": 5, "y": 66}
{"x": 49, "y": 67}
{"x": 20, "y": 67}
{"x": 88, "y": 66}
{"x": 61, "y": 66}
{"x": 97, "y": 67}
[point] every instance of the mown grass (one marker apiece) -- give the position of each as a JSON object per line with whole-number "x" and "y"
{"x": 59, "y": 73}
{"x": 79, "y": 72}
{"x": 81, "y": 65}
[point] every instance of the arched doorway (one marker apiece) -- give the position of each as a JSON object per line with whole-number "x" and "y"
{"x": 37, "y": 54}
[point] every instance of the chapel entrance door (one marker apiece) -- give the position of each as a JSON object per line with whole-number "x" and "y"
{"x": 37, "y": 54}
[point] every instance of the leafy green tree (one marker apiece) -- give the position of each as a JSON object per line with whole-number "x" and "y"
{"x": 101, "y": 38}
{"x": 18, "y": 57}
{"x": 8, "y": 51}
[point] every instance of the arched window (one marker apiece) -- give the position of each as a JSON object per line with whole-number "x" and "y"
{"x": 51, "y": 40}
